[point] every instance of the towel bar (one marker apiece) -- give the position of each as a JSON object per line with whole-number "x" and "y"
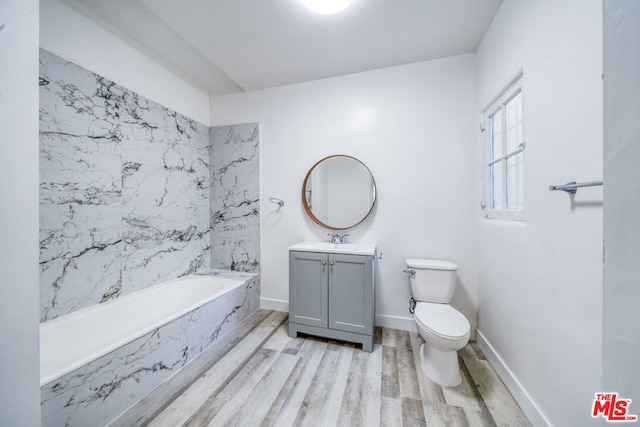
{"x": 572, "y": 187}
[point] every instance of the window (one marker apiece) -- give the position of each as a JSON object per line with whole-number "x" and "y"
{"x": 504, "y": 169}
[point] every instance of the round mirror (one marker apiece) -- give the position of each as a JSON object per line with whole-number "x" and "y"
{"x": 339, "y": 192}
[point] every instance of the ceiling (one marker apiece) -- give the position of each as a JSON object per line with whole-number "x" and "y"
{"x": 226, "y": 46}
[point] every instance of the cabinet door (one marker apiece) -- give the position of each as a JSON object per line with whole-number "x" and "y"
{"x": 351, "y": 293}
{"x": 308, "y": 288}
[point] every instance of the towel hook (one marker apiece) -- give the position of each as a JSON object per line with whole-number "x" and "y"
{"x": 278, "y": 202}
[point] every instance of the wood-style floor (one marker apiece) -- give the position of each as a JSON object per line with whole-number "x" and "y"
{"x": 258, "y": 376}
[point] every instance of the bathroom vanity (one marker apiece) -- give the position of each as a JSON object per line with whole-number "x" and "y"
{"x": 332, "y": 291}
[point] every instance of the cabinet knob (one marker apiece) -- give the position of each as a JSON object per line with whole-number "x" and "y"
{"x": 331, "y": 263}
{"x": 324, "y": 262}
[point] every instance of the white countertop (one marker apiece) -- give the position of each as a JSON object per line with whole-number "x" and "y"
{"x": 336, "y": 248}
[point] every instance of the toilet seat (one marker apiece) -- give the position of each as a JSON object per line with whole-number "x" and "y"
{"x": 441, "y": 320}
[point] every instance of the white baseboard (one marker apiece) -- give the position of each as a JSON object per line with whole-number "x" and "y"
{"x": 274, "y": 304}
{"x": 406, "y": 324}
{"x": 396, "y": 322}
{"x": 385, "y": 321}
{"x": 393, "y": 322}
{"x": 521, "y": 396}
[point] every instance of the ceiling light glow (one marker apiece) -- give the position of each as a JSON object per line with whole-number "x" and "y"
{"x": 326, "y": 7}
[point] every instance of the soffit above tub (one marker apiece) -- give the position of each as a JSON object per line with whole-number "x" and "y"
{"x": 234, "y": 45}
{"x": 133, "y": 22}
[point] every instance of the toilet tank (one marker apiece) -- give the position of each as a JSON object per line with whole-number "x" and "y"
{"x": 433, "y": 280}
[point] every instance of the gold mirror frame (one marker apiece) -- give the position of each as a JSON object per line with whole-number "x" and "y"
{"x": 309, "y": 210}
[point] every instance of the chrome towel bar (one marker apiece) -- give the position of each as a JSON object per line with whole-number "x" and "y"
{"x": 572, "y": 187}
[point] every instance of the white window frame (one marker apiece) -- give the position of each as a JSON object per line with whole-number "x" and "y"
{"x": 498, "y": 107}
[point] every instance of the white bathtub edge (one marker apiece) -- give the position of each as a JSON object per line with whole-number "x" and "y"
{"x": 44, "y": 380}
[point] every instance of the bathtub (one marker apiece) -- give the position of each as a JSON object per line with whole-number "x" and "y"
{"x": 97, "y": 362}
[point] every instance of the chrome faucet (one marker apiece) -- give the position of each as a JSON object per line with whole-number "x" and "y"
{"x": 338, "y": 239}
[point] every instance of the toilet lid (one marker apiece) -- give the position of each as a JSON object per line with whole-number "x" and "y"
{"x": 441, "y": 319}
{"x": 432, "y": 264}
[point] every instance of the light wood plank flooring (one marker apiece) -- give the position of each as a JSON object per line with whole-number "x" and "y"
{"x": 258, "y": 376}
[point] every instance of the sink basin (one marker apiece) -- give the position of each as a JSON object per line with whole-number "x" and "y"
{"x": 336, "y": 248}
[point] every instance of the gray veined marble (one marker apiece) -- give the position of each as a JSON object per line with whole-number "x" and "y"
{"x": 133, "y": 194}
{"x": 235, "y": 197}
{"x": 124, "y": 190}
{"x": 96, "y": 393}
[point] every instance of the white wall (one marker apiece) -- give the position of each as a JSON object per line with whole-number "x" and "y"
{"x": 19, "y": 305}
{"x": 414, "y": 127}
{"x": 622, "y": 200}
{"x": 540, "y": 282}
{"x": 69, "y": 34}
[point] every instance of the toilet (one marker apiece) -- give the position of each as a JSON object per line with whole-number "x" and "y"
{"x": 444, "y": 329}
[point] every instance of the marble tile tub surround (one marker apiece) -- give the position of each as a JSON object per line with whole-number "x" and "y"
{"x": 100, "y": 391}
{"x": 124, "y": 190}
{"x": 125, "y": 204}
{"x": 235, "y": 195}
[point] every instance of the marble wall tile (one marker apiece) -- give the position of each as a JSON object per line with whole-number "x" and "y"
{"x": 124, "y": 190}
{"x": 132, "y": 194}
{"x": 100, "y": 391}
{"x": 235, "y": 197}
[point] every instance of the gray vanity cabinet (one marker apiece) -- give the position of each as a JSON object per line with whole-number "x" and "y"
{"x": 308, "y": 289}
{"x": 332, "y": 295}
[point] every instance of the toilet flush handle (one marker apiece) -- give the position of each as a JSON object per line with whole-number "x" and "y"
{"x": 410, "y": 271}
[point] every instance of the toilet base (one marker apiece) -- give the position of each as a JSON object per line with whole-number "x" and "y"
{"x": 440, "y": 366}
